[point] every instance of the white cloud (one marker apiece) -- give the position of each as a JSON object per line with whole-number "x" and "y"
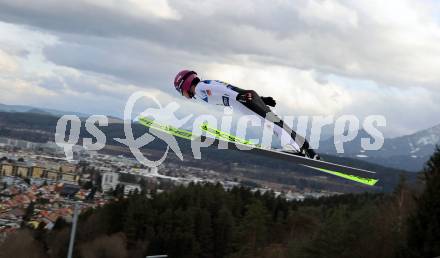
{"x": 393, "y": 42}
{"x": 16, "y": 91}
{"x": 8, "y": 64}
{"x": 138, "y": 8}
{"x": 323, "y": 13}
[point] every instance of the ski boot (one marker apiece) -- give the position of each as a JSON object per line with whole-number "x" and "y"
{"x": 292, "y": 150}
{"x": 310, "y": 153}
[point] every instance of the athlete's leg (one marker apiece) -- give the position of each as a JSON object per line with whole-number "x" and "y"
{"x": 251, "y": 100}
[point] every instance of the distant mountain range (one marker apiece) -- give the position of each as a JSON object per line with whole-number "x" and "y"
{"x": 44, "y": 111}
{"x": 48, "y": 111}
{"x": 408, "y": 152}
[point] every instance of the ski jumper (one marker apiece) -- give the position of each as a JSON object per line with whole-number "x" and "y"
{"x": 247, "y": 102}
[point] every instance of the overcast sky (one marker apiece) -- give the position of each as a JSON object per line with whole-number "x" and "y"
{"x": 315, "y": 57}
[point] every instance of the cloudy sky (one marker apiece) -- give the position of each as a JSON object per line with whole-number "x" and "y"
{"x": 315, "y": 57}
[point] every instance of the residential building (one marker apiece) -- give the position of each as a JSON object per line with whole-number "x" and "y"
{"x": 37, "y": 172}
{"x": 52, "y": 175}
{"x": 131, "y": 188}
{"x": 7, "y": 169}
{"x": 67, "y": 168}
{"x": 69, "y": 177}
{"x": 22, "y": 171}
{"x": 109, "y": 181}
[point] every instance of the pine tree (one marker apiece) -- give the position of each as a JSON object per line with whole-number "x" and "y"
{"x": 223, "y": 228}
{"x": 183, "y": 242}
{"x": 138, "y": 220}
{"x": 253, "y": 230}
{"x": 424, "y": 225}
{"x": 204, "y": 234}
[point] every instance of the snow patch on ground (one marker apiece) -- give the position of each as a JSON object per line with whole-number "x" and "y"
{"x": 414, "y": 150}
{"x": 429, "y": 139}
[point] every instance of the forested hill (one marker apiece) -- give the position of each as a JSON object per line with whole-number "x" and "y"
{"x": 206, "y": 221}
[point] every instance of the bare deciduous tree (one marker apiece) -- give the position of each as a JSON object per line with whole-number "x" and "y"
{"x": 105, "y": 247}
{"x": 21, "y": 244}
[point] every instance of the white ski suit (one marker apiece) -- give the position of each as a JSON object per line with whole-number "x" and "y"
{"x": 223, "y": 94}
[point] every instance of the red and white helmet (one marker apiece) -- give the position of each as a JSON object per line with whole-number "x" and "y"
{"x": 184, "y": 79}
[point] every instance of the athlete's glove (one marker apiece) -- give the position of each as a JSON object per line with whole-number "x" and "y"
{"x": 269, "y": 101}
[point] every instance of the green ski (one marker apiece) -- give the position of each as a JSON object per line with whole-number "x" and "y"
{"x": 346, "y": 172}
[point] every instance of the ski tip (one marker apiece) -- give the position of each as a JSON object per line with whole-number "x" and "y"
{"x": 362, "y": 180}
